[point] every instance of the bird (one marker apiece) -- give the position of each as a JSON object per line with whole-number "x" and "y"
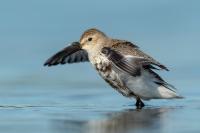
{"x": 121, "y": 63}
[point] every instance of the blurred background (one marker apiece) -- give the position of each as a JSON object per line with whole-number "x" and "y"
{"x": 31, "y": 31}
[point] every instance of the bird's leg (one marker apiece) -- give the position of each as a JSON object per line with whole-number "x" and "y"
{"x": 139, "y": 104}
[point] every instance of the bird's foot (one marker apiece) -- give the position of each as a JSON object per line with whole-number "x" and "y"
{"x": 139, "y": 104}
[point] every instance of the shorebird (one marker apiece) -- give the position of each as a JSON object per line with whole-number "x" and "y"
{"x": 120, "y": 63}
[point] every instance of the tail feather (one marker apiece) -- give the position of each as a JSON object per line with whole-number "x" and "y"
{"x": 166, "y": 90}
{"x": 166, "y": 85}
{"x": 168, "y": 93}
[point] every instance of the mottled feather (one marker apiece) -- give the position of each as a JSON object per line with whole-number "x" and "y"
{"x": 128, "y": 48}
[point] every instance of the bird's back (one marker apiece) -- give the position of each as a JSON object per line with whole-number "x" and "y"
{"x": 128, "y": 48}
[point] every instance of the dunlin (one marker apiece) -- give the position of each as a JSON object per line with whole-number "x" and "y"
{"x": 120, "y": 63}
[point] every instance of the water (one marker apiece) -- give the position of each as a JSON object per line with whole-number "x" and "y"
{"x": 89, "y": 110}
{"x": 72, "y": 98}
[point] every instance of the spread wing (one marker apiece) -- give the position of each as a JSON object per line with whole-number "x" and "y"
{"x": 128, "y": 48}
{"x": 70, "y": 54}
{"x": 129, "y": 64}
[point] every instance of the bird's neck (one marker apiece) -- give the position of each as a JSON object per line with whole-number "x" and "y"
{"x": 95, "y": 52}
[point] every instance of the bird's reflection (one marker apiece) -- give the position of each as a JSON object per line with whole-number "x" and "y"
{"x": 126, "y": 121}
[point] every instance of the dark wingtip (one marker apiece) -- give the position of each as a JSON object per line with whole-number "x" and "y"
{"x": 164, "y": 67}
{"x": 50, "y": 62}
{"x": 47, "y": 63}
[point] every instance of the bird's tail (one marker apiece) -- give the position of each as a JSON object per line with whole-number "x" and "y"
{"x": 169, "y": 92}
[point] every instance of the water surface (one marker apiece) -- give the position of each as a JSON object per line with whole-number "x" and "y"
{"x": 72, "y": 98}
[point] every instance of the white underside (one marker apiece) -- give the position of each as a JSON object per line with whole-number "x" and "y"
{"x": 143, "y": 86}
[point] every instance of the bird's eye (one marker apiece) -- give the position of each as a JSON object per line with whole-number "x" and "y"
{"x": 90, "y": 39}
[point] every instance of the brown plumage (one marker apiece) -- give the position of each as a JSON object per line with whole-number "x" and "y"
{"x": 120, "y": 63}
{"x": 128, "y": 48}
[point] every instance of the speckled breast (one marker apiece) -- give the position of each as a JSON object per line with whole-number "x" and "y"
{"x": 104, "y": 67}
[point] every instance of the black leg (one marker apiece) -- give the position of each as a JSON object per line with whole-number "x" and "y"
{"x": 139, "y": 104}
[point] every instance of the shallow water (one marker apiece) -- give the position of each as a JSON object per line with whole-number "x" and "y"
{"x": 100, "y": 110}
{"x": 72, "y": 98}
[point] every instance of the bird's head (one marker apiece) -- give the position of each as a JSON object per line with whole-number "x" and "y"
{"x": 93, "y": 40}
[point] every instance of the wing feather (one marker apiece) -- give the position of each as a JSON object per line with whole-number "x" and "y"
{"x": 128, "y": 48}
{"x": 70, "y": 54}
{"x": 130, "y": 64}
